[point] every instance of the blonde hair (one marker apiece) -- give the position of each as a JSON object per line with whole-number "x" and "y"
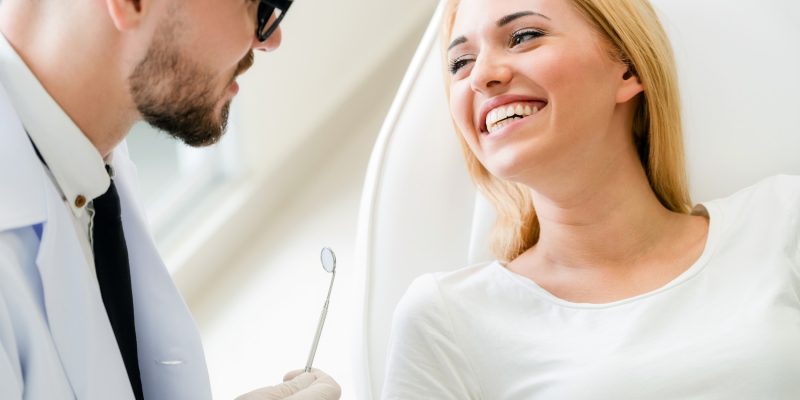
{"x": 635, "y": 36}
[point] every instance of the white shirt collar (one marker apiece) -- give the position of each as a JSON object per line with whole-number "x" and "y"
{"x": 74, "y": 162}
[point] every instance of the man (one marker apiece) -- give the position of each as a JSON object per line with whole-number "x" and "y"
{"x": 87, "y": 309}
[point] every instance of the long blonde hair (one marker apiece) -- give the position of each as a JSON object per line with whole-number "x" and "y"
{"x": 635, "y": 36}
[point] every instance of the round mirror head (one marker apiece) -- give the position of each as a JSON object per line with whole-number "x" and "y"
{"x": 328, "y": 259}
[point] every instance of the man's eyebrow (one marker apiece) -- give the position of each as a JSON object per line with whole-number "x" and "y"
{"x": 511, "y": 17}
{"x": 457, "y": 41}
{"x": 502, "y": 21}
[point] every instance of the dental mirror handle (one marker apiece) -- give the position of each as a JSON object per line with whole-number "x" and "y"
{"x": 316, "y": 337}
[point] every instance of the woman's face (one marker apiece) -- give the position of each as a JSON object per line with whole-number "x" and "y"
{"x": 534, "y": 90}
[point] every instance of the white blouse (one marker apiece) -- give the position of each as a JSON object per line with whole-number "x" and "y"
{"x": 727, "y": 328}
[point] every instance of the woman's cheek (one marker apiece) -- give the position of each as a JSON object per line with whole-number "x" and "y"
{"x": 459, "y": 112}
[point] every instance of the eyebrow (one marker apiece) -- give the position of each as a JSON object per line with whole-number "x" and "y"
{"x": 500, "y": 23}
{"x": 459, "y": 40}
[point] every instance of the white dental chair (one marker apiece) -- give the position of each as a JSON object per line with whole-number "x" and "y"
{"x": 739, "y": 69}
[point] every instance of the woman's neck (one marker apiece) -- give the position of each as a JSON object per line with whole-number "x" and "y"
{"x": 607, "y": 217}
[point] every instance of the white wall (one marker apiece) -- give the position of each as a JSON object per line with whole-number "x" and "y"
{"x": 329, "y": 48}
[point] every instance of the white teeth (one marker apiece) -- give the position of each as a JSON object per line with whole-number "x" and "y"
{"x": 502, "y": 116}
{"x": 501, "y": 124}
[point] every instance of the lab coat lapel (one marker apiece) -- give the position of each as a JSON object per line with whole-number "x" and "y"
{"x": 75, "y": 312}
{"x": 171, "y": 358}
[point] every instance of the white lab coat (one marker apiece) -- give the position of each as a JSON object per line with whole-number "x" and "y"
{"x": 55, "y": 338}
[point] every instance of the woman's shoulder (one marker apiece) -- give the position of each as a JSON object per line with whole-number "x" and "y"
{"x": 429, "y": 293}
{"x": 781, "y": 190}
{"x": 786, "y": 189}
{"x": 778, "y": 194}
{"x": 430, "y": 285}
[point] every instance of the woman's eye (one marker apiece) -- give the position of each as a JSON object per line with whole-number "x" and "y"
{"x": 458, "y": 63}
{"x": 524, "y": 35}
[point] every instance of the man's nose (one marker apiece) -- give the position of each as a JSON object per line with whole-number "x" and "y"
{"x": 272, "y": 42}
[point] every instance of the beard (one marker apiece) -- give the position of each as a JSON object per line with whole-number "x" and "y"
{"x": 177, "y": 95}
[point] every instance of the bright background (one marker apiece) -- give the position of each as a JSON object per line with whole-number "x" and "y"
{"x": 241, "y": 224}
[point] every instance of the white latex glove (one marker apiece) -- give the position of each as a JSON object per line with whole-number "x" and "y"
{"x": 298, "y": 385}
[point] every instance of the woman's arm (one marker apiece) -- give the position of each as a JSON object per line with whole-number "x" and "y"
{"x": 424, "y": 359}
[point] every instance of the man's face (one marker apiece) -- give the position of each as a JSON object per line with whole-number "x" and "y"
{"x": 185, "y": 83}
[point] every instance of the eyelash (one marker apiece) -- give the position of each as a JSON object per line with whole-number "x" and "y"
{"x": 458, "y": 63}
{"x": 514, "y": 40}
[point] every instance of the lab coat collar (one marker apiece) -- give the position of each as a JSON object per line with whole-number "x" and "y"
{"x": 76, "y": 165}
{"x": 22, "y": 177}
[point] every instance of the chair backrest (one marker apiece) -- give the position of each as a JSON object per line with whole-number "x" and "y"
{"x": 739, "y": 68}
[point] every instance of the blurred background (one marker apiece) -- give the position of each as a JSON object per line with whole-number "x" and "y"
{"x": 240, "y": 225}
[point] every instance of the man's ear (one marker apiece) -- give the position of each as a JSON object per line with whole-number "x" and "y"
{"x": 630, "y": 85}
{"x": 127, "y": 14}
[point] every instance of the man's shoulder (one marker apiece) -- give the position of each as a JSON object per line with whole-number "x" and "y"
{"x": 22, "y": 177}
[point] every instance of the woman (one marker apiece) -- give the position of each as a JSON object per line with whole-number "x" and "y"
{"x": 607, "y": 284}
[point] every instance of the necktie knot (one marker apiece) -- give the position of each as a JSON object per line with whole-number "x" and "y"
{"x": 106, "y": 206}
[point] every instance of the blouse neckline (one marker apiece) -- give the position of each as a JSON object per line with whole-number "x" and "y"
{"x": 714, "y": 231}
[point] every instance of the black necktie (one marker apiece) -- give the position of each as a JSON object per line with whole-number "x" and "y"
{"x": 114, "y": 277}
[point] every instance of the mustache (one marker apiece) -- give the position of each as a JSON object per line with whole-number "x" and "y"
{"x": 244, "y": 65}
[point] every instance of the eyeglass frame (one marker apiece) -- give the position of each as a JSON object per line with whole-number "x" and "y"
{"x": 265, "y": 10}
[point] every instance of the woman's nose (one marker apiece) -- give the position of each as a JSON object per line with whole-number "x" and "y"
{"x": 489, "y": 73}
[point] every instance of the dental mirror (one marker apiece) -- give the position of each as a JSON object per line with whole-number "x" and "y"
{"x": 328, "y": 259}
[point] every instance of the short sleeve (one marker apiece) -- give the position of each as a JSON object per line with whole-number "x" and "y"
{"x": 424, "y": 359}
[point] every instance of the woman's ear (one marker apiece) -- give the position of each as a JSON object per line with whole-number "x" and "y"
{"x": 127, "y": 14}
{"x": 630, "y": 85}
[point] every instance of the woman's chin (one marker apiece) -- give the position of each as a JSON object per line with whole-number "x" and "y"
{"x": 510, "y": 167}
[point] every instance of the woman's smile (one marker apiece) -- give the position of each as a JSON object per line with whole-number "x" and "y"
{"x": 509, "y": 123}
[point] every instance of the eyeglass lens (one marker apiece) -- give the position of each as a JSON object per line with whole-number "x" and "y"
{"x": 265, "y": 26}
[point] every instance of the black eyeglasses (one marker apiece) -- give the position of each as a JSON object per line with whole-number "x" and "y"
{"x": 265, "y": 10}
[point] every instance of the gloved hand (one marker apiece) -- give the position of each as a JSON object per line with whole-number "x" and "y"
{"x": 298, "y": 385}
